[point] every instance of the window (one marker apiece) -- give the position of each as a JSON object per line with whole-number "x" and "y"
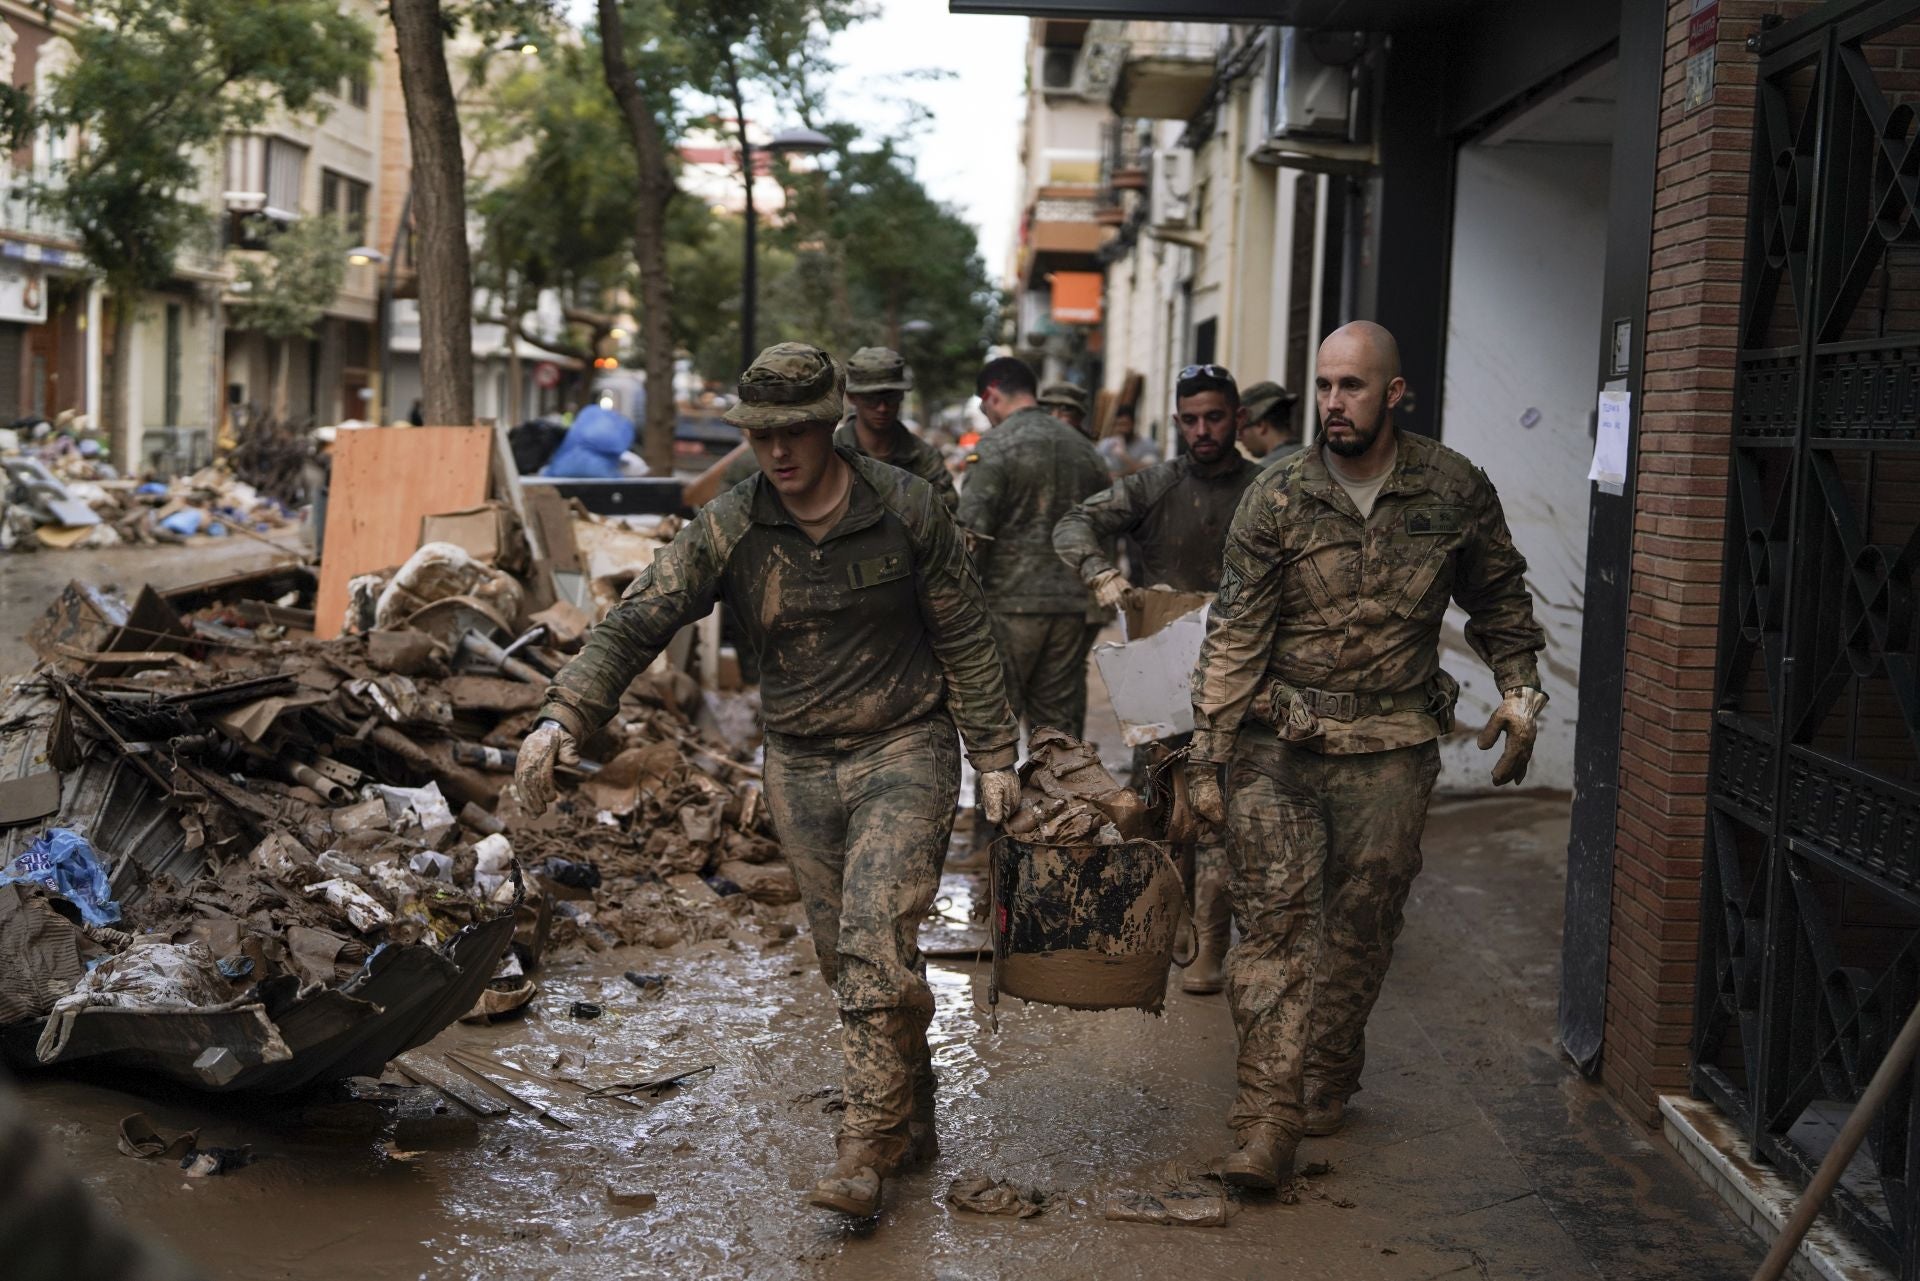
{"x": 354, "y": 90}
{"x": 286, "y": 171}
{"x": 346, "y": 199}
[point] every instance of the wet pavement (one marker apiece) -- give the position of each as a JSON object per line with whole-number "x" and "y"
{"x": 1472, "y": 1151}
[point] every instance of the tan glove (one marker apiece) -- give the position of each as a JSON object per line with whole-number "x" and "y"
{"x": 1518, "y": 718}
{"x": 999, "y": 793}
{"x": 533, "y": 774}
{"x": 1111, "y": 589}
{"x": 1203, "y": 791}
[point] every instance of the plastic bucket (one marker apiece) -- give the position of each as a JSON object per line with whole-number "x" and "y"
{"x": 1090, "y": 927}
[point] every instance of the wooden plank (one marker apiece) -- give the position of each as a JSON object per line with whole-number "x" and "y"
{"x": 385, "y": 479}
{"x": 422, "y": 1068}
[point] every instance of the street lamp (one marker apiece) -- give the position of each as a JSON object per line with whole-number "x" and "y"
{"x": 797, "y": 141}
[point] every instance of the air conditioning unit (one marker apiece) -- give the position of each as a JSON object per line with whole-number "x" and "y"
{"x": 1170, "y": 197}
{"x": 1058, "y": 69}
{"x": 1306, "y": 97}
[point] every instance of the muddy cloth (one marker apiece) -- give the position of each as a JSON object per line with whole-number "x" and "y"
{"x": 1025, "y": 475}
{"x": 911, "y": 455}
{"x": 51, "y": 1227}
{"x": 1177, "y": 513}
{"x": 864, "y": 822}
{"x": 1323, "y": 851}
{"x": 880, "y": 624}
{"x": 1314, "y": 598}
{"x": 1044, "y": 667}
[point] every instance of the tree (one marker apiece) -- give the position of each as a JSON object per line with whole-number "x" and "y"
{"x": 288, "y": 287}
{"x": 153, "y": 86}
{"x": 653, "y": 56}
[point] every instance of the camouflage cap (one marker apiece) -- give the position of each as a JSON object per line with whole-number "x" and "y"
{"x": 878, "y": 369}
{"x": 1261, "y": 398}
{"x": 789, "y": 382}
{"x": 1064, "y": 396}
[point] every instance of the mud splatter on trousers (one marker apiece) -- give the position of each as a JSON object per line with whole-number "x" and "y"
{"x": 1043, "y": 658}
{"x": 1323, "y": 851}
{"x": 864, "y": 822}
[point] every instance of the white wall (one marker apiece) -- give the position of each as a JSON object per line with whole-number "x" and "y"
{"x": 1523, "y": 340}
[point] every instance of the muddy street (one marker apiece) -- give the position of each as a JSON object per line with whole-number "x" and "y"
{"x": 1473, "y": 1151}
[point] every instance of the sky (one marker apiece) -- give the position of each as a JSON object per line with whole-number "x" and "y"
{"x": 968, "y": 152}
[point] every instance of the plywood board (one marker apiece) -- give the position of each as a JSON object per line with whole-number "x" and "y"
{"x": 385, "y": 480}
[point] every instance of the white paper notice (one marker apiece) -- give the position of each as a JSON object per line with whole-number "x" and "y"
{"x": 1610, "y": 441}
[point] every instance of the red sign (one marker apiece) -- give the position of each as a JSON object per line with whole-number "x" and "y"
{"x": 546, "y": 375}
{"x": 1703, "y": 27}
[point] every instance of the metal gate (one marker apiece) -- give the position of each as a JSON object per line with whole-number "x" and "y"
{"x": 1810, "y": 899}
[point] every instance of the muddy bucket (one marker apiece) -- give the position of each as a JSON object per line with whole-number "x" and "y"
{"x": 1090, "y": 927}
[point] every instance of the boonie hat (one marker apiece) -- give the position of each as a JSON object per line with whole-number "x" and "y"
{"x": 1261, "y": 398}
{"x": 878, "y": 369}
{"x": 789, "y": 382}
{"x": 1063, "y": 396}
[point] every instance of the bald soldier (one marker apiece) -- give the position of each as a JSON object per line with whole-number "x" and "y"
{"x": 1319, "y": 693}
{"x": 854, "y": 591}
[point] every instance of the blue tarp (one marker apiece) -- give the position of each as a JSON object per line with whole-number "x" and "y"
{"x": 593, "y": 445}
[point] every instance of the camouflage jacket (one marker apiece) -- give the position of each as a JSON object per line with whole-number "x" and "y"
{"x": 1023, "y": 477}
{"x": 1316, "y": 598}
{"x": 881, "y": 623}
{"x": 910, "y": 454}
{"x": 1177, "y": 515}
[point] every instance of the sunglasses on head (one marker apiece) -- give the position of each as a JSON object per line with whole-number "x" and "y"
{"x": 1205, "y": 371}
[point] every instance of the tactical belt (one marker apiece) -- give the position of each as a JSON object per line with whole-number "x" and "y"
{"x": 1273, "y": 700}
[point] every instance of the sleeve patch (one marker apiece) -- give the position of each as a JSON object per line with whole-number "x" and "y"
{"x": 878, "y": 569}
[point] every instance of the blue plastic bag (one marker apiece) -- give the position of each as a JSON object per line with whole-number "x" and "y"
{"x": 63, "y": 862}
{"x": 186, "y": 522}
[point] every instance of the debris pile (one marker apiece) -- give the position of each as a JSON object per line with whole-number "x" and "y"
{"x": 260, "y": 859}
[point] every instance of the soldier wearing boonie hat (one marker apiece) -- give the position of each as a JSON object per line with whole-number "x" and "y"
{"x": 852, "y": 588}
{"x": 878, "y": 380}
{"x": 1066, "y": 402}
{"x": 1269, "y": 432}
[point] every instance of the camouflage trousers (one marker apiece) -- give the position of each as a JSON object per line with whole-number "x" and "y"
{"x": 1044, "y": 660}
{"x": 864, "y": 822}
{"x": 1323, "y": 851}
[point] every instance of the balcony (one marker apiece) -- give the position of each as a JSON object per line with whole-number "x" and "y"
{"x": 1167, "y": 73}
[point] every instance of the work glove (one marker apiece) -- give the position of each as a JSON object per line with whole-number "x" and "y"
{"x": 999, "y": 793}
{"x": 1203, "y": 791}
{"x": 1517, "y": 717}
{"x": 548, "y": 745}
{"x": 1110, "y": 589}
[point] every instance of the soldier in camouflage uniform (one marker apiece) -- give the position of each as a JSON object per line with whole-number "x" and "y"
{"x": 1319, "y": 691}
{"x": 1270, "y": 431}
{"x": 1068, "y": 403}
{"x": 854, "y": 589}
{"x": 1177, "y": 513}
{"x": 878, "y": 380}
{"x": 1021, "y": 479}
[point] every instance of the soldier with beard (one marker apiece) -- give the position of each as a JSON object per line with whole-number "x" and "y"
{"x": 1319, "y": 692}
{"x": 1177, "y": 513}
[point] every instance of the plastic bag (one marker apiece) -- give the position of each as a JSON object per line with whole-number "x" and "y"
{"x": 63, "y": 862}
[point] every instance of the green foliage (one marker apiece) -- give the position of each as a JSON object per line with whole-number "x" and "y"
{"x": 153, "y": 87}
{"x": 287, "y": 288}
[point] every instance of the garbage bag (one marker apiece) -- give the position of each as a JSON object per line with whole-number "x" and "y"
{"x": 593, "y": 445}
{"x": 63, "y": 862}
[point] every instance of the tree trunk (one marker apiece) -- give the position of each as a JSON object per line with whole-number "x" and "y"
{"x": 282, "y": 367}
{"x": 441, "y": 260}
{"x": 116, "y": 415}
{"x": 649, "y": 237}
{"x": 750, "y": 263}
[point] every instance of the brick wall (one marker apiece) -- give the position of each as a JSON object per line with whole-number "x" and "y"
{"x": 1684, "y": 419}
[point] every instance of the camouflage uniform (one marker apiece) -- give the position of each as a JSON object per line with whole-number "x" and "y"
{"x": 1262, "y": 399}
{"x": 1178, "y": 516}
{"x": 1326, "y": 631}
{"x": 872, "y": 644}
{"x": 1021, "y": 479}
{"x": 911, "y": 455}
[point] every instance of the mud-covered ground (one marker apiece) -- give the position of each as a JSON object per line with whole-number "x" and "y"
{"x": 1472, "y": 1151}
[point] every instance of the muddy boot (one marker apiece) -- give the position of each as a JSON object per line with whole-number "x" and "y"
{"x": 1263, "y": 1161}
{"x": 1326, "y": 1114}
{"x": 852, "y": 1186}
{"x": 1213, "y": 921}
